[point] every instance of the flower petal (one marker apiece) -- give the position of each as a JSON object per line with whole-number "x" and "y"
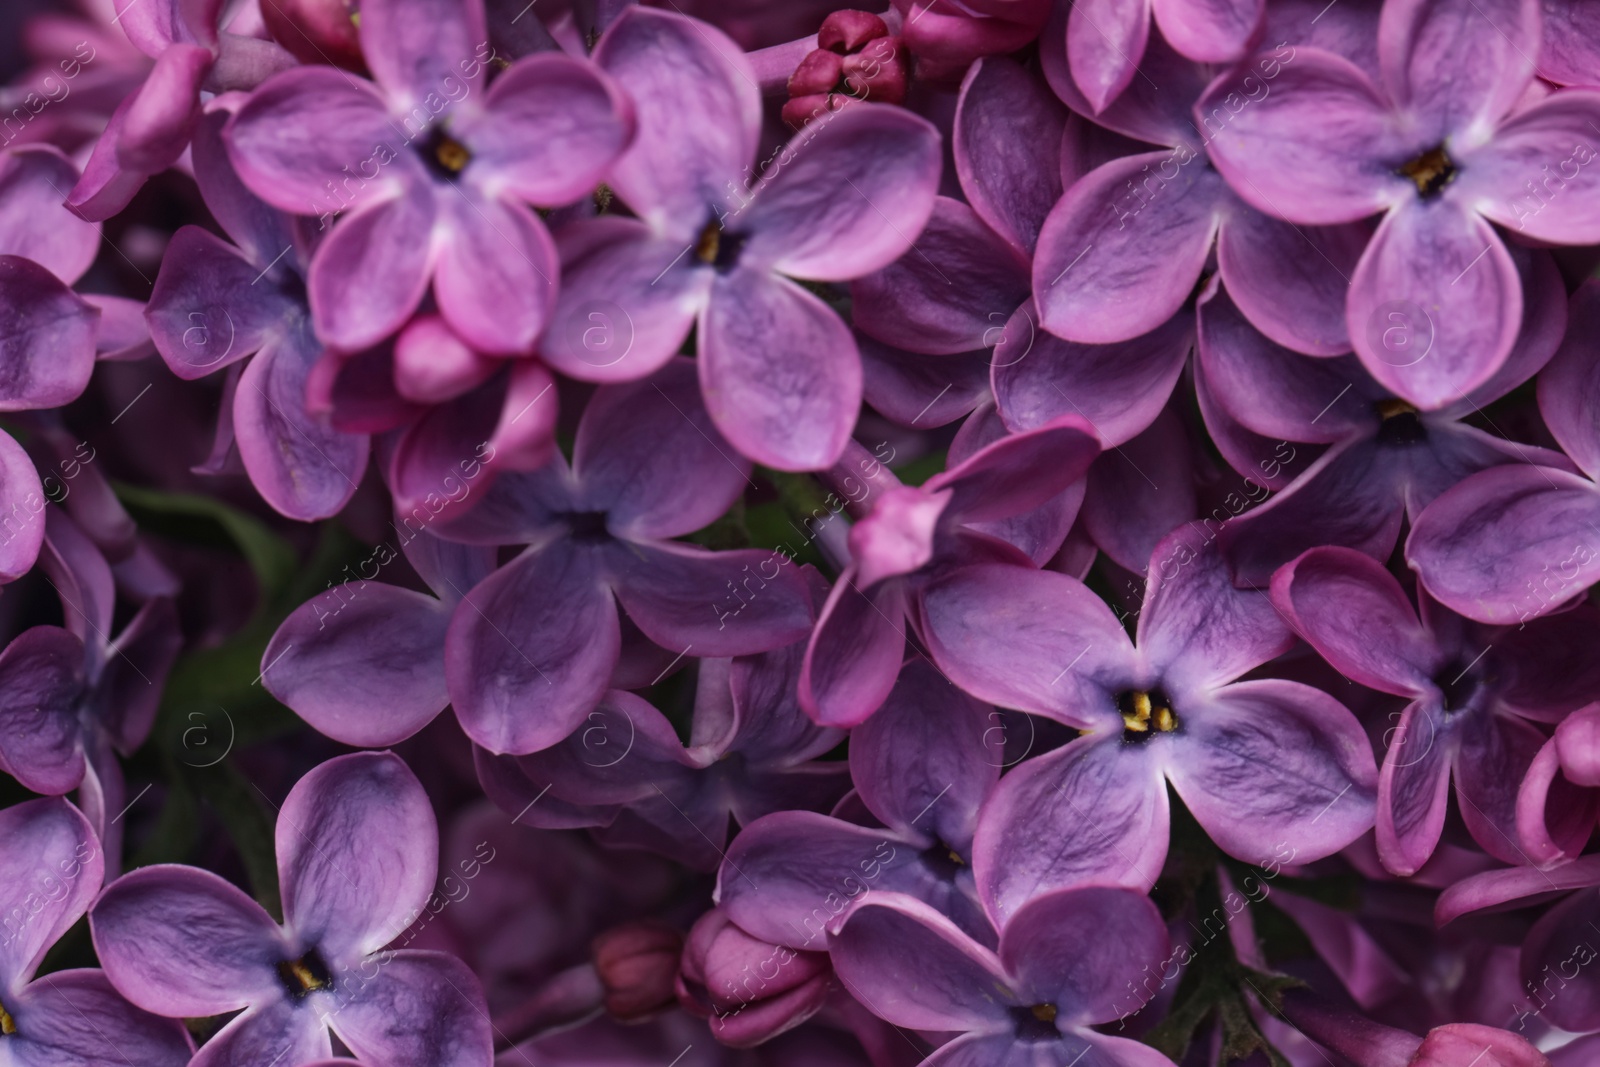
{"x": 54, "y": 869}
{"x": 1105, "y": 41}
{"x": 495, "y": 276}
{"x": 358, "y": 850}
{"x": 1569, "y": 386}
{"x": 1458, "y": 65}
{"x": 1414, "y": 787}
{"x": 274, "y": 1031}
{"x": 1290, "y": 281}
{"x": 1083, "y": 949}
{"x": 370, "y": 273}
{"x": 205, "y": 311}
{"x": 779, "y": 370}
{"x": 423, "y": 1008}
{"x": 33, "y": 222}
{"x": 1562, "y": 931}
{"x": 1496, "y": 751}
{"x": 855, "y": 651}
{"x": 77, "y": 1017}
{"x": 530, "y": 649}
{"x": 46, "y": 338}
{"x": 415, "y": 48}
{"x": 1209, "y": 31}
{"x": 41, "y": 683}
{"x": 1007, "y": 129}
{"x": 182, "y": 942}
{"x": 1269, "y": 763}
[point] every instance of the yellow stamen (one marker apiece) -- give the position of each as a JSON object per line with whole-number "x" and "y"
{"x": 452, "y": 155}
{"x": 710, "y": 242}
{"x": 300, "y": 973}
{"x": 1393, "y": 407}
{"x": 8, "y": 1025}
{"x": 1045, "y": 1013}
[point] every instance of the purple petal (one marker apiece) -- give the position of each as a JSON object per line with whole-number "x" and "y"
{"x": 161, "y": 118}
{"x": 255, "y": 226}
{"x": 1270, "y": 762}
{"x": 76, "y": 1017}
{"x": 182, "y": 942}
{"x": 301, "y": 466}
{"x": 1496, "y": 751}
{"x": 1352, "y": 611}
{"x": 1032, "y": 640}
{"x": 1105, "y": 41}
{"x": 41, "y": 740}
{"x": 950, "y": 293}
{"x": 1554, "y": 817}
{"x": 423, "y": 1008}
{"x": 496, "y": 271}
{"x": 1567, "y": 54}
{"x": 1118, "y": 388}
{"x": 1209, "y": 31}
{"x": 1083, "y": 949}
{"x": 918, "y": 970}
{"x": 1509, "y": 543}
{"x": 55, "y": 867}
{"x": 626, "y": 302}
{"x": 1018, "y": 473}
{"x": 847, "y": 196}
{"x": 550, "y": 127}
{"x": 639, "y": 444}
{"x": 530, "y": 649}
{"x": 268, "y": 1034}
{"x": 1490, "y": 889}
{"x": 1139, "y": 492}
{"x": 699, "y": 113}
{"x": 46, "y": 338}
{"x": 415, "y": 48}
{"x": 357, "y": 854}
{"x": 207, "y": 310}
{"x": 780, "y": 371}
{"x": 23, "y": 500}
{"x": 370, "y": 273}
{"x": 1007, "y": 129}
{"x": 1534, "y": 177}
{"x": 1194, "y": 624}
{"x": 1457, "y": 63}
{"x": 1433, "y": 336}
{"x": 106, "y": 186}
{"x": 681, "y": 596}
{"x": 1092, "y": 812}
{"x": 1317, "y": 148}
{"x": 921, "y": 761}
{"x": 1122, "y": 250}
{"x": 854, "y": 652}
{"x": 1414, "y": 787}
{"x": 914, "y": 389}
{"x": 33, "y": 222}
{"x": 299, "y": 132}
{"x": 624, "y": 752}
{"x": 1569, "y": 388}
{"x": 1290, "y": 281}
{"x": 363, "y": 663}
{"x": 1550, "y": 950}
{"x": 449, "y": 569}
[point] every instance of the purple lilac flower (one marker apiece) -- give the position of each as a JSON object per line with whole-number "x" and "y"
{"x": 1475, "y": 693}
{"x": 1442, "y": 148}
{"x": 215, "y": 305}
{"x": 721, "y": 249}
{"x": 1105, "y": 40}
{"x": 922, "y": 767}
{"x": 1385, "y": 459}
{"x": 64, "y": 1018}
{"x": 1261, "y": 763}
{"x": 1067, "y": 961}
{"x": 432, "y": 169}
{"x": 1509, "y": 545}
{"x": 357, "y": 854}
{"x": 624, "y": 772}
{"x": 531, "y": 648}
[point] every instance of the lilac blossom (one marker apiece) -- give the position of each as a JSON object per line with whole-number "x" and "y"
{"x": 1066, "y": 962}
{"x": 432, "y": 169}
{"x": 217, "y": 304}
{"x": 1442, "y": 148}
{"x": 357, "y": 855}
{"x": 531, "y": 648}
{"x": 922, "y": 767}
{"x": 1260, "y": 763}
{"x": 64, "y": 1018}
{"x": 1475, "y": 695}
{"x": 721, "y": 249}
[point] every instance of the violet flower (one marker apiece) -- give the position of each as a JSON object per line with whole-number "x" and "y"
{"x": 357, "y": 854}
{"x": 1067, "y": 961}
{"x": 216, "y": 304}
{"x": 64, "y": 1018}
{"x": 624, "y": 773}
{"x": 1440, "y": 148}
{"x": 1262, "y": 764}
{"x": 912, "y": 533}
{"x": 434, "y": 167}
{"x": 723, "y": 250}
{"x": 364, "y": 662}
{"x": 1385, "y": 460}
{"x": 922, "y": 766}
{"x": 1473, "y": 692}
{"x": 1507, "y": 545}
{"x": 72, "y": 699}
{"x": 531, "y": 648}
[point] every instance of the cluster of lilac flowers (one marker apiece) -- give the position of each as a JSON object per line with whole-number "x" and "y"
{"x": 701, "y": 534}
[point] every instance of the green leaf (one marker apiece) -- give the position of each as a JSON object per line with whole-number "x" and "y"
{"x": 196, "y": 519}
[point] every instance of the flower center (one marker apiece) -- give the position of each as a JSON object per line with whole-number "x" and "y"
{"x": 1430, "y": 172}
{"x": 1144, "y": 713}
{"x": 587, "y": 527}
{"x": 943, "y": 861}
{"x": 1401, "y": 424}
{"x": 445, "y": 155}
{"x": 1035, "y": 1023}
{"x": 717, "y": 247}
{"x": 304, "y": 976}
{"x": 1460, "y": 682}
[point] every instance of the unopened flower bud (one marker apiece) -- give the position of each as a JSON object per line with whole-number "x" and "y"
{"x": 637, "y": 963}
{"x": 749, "y": 990}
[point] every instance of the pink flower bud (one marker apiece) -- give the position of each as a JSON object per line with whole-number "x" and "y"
{"x": 637, "y": 963}
{"x": 749, "y": 990}
{"x": 847, "y": 31}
